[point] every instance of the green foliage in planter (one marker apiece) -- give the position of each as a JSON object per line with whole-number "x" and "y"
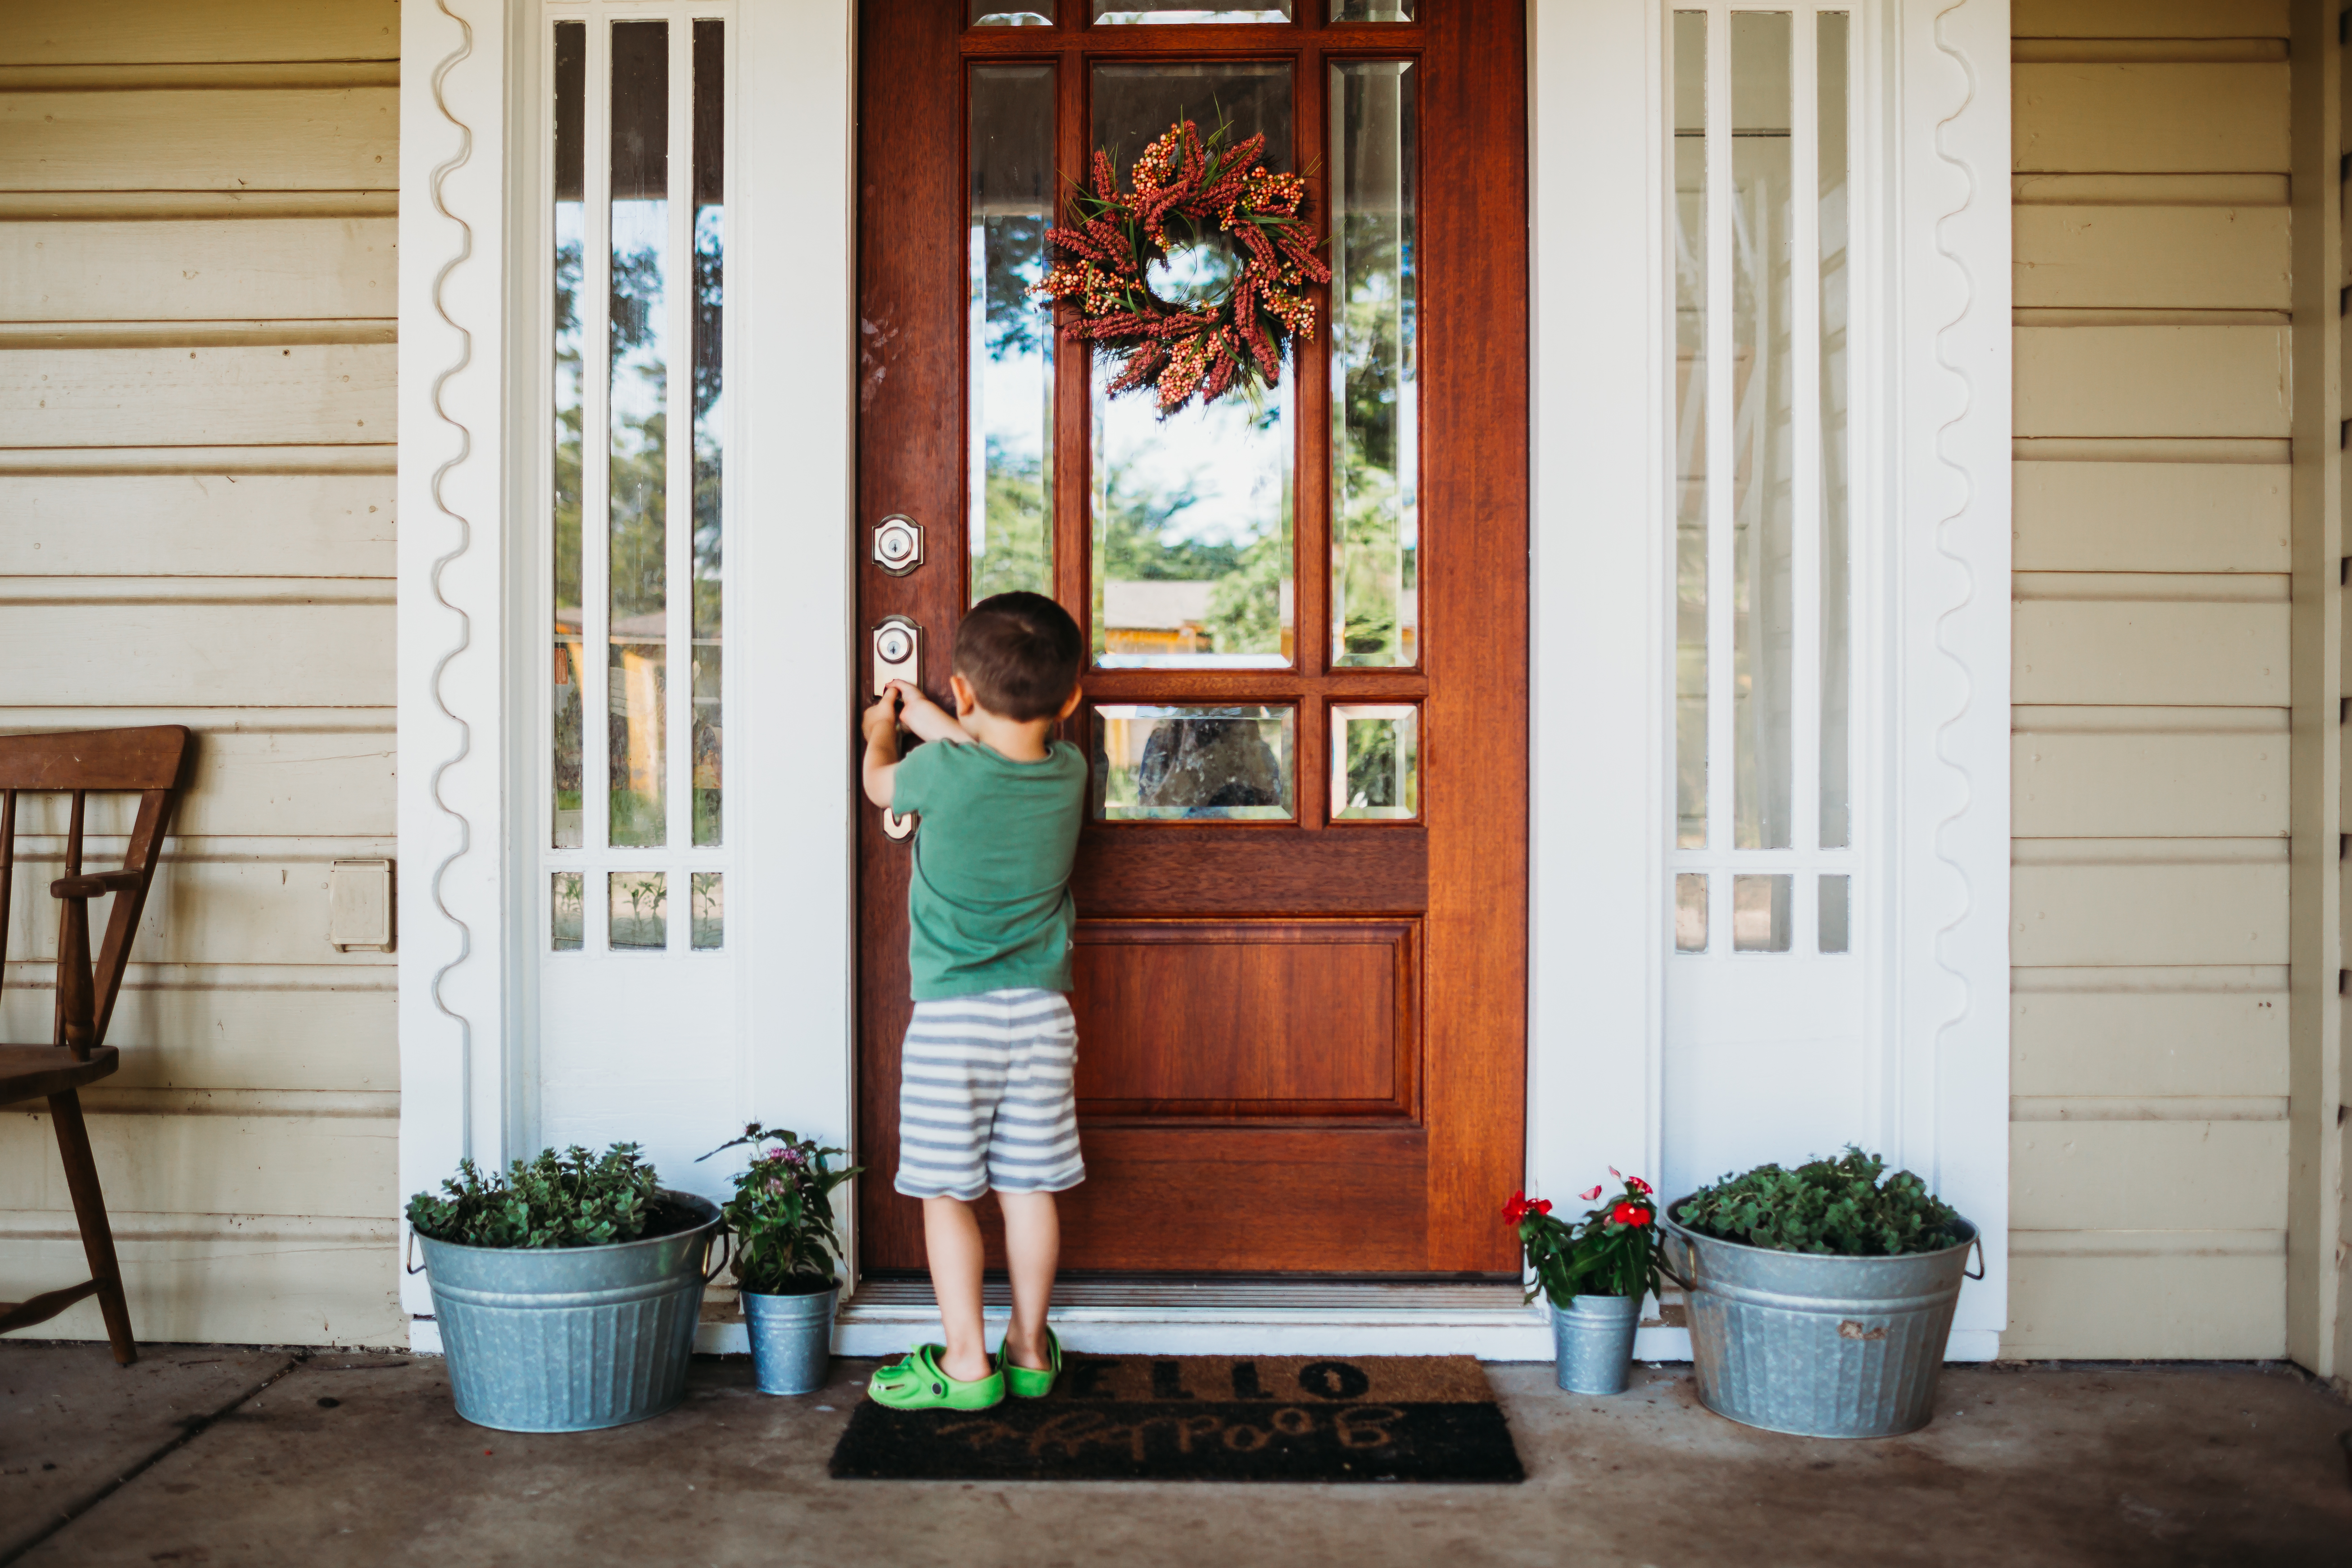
{"x": 572, "y": 1199}
{"x": 1836, "y": 1206}
{"x": 782, "y": 1212}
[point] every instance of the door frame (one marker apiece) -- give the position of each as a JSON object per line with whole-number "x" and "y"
{"x": 467, "y": 658}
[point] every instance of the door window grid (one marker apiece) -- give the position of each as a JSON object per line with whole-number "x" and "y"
{"x": 1762, "y": 849}
{"x": 675, "y": 748}
{"x": 1157, "y": 646}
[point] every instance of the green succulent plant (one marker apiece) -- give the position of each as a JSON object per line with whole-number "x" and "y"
{"x": 1839, "y": 1206}
{"x": 572, "y": 1199}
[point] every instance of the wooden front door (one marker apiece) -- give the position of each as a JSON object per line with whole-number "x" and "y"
{"x": 1302, "y": 887}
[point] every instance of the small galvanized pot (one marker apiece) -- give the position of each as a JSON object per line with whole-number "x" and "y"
{"x": 570, "y": 1339}
{"x": 1592, "y": 1342}
{"x": 1814, "y": 1345}
{"x": 792, "y": 1338}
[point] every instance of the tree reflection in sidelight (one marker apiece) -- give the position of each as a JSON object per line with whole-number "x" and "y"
{"x": 639, "y": 371}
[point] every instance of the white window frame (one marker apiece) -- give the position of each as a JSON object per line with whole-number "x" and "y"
{"x": 1932, "y": 650}
{"x": 473, "y": 610}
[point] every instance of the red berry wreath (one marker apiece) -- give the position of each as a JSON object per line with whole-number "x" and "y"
{"x": 1110, "y": 238}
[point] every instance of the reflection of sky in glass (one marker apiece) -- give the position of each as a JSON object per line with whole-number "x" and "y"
{"x": 640, "y": 368}
{"x": 1012, "y": 416}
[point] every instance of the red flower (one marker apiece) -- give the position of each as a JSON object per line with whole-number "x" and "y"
{"x": 1595, "y": 1193}
{"x": 1629, "y": 1214}
{"x": 1638, "y": 1184}
{"x": 1520, "y": 1208}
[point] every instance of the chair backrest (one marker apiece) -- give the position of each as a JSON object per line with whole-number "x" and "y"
{"x": 148, "y": 761}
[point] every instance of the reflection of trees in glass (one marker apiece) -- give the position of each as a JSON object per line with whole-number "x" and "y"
{"x": 1140, "y": 538}
{"x": 1373, "y": 764}
{"x": 1372, "y": 334}
{"x": 710, "y": 258}
{"x": 1019, "y": 553}
{"x": 1015, "y": 549}
{"x": 637, "y": 574}
{"x": 569, "y": 369}
{"x": 1018, "y": 325}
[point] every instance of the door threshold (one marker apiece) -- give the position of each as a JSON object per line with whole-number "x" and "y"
{"x": 1209, "y": 1316}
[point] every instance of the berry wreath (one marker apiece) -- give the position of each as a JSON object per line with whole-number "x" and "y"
{"x": 1110, "y": 240}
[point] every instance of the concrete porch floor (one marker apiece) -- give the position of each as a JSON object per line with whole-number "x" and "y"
{"x": 217, "y": 1455}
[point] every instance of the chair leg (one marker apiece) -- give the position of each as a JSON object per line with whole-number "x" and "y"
{"x": 89, "y": 1208}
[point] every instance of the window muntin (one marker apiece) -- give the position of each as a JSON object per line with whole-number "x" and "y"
{"x": 636, "y": 520}
{"x": 1760, "y": 498}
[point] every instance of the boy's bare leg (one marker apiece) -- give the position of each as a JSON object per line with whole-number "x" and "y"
{"x": 1033, "y": 1249}
{"x": 951, "y": 1239}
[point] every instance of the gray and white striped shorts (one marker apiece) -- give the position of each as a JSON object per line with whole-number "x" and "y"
{"x": 985, "y": 1096}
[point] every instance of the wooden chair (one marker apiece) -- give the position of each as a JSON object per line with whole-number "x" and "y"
{"x": 148, "y": 761}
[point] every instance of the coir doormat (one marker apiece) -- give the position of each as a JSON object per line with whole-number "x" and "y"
{"x": 1206, "y": 1418}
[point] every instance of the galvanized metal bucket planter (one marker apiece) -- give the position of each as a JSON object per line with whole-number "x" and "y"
{"x": 1592, "y": 1342}
{"x": 572, "y": 1339}
{"x": 792, "y": 1338}
{"x": 1816, "y": 1345}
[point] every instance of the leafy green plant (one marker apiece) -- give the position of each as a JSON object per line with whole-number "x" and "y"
{"x": 782, "y": 1212}
{"x": 1839, "y": 1206}
{"x": 572, "y": 1199}
{"x": 1612, "y": 1251}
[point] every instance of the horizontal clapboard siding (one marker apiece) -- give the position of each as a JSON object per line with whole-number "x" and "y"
{"x": 140, "y": 32}
{"x": 304, "y": 268}
{"x": 198, "y": 525}
{"x": 306, "y": 393}
{"x": 263, "y": 140}
{"x": 2142, "y": 380}
{"x": 2159, "y": 118}
{"x": 197, "y": 295}
{"x": 2149, "y": 888}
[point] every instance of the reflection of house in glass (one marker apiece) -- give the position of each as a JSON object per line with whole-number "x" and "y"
{"x": 639, "y": 672}
{"x": 1158, "y": 617}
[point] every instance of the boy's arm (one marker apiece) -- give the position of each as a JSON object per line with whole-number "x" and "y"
{"x": 879, "y": 772}
{"x": 926, "y": 719}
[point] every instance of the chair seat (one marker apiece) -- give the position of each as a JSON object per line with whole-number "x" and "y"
{"x": 37, "y": 1072}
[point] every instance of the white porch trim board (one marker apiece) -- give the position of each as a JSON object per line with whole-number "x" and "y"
{"x": 1599, "y": 134}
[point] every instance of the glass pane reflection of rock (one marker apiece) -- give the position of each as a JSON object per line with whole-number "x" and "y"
{"x": 1213, "y": 763}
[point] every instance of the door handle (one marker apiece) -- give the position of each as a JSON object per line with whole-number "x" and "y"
{"x": 897, "y": 645}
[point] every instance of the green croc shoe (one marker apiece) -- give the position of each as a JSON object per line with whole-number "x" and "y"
{"x": 1029, "y": 1382}
{"x": 918, "y": 1383}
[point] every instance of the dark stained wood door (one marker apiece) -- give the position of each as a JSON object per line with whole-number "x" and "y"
{"x": 1301, "y": 1004}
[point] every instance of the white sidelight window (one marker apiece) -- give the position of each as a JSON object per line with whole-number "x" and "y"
{"x": 1772, "y": 882}
{"x": 635, "y": 843}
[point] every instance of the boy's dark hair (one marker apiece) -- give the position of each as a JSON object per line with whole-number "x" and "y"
{"x": 1020, "y": 653}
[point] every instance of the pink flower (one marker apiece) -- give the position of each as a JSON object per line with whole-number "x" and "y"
{"x": 1595, "y": 1193}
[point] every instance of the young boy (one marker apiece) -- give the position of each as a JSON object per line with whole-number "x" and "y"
{"x": 985, "y": 1099}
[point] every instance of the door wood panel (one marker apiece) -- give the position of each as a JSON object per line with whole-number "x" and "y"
{"x": 1302, "y": 1044}
{"x": 1231, "y": 1018}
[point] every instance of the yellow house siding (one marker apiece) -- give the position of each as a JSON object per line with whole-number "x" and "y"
{"x": 2149, "y": 793}
{"x": 196, "y": 419}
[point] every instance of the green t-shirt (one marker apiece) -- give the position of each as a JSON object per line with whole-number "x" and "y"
{"x": 990, "y": 899}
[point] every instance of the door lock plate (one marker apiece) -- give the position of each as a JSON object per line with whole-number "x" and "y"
{"x": 898, "y": 545}
{"x": 898, "y": 653}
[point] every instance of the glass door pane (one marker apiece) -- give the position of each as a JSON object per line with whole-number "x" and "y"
{"x": 1375, "y": 408}
{"x": 1191, "y": 514}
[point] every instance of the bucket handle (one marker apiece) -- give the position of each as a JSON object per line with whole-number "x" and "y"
{"x": 1977, "y": 1241}
{"x": 410, "y": 1259}
{"x": 725, "y": 1239}
{"x": 1668, "y": 1269}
